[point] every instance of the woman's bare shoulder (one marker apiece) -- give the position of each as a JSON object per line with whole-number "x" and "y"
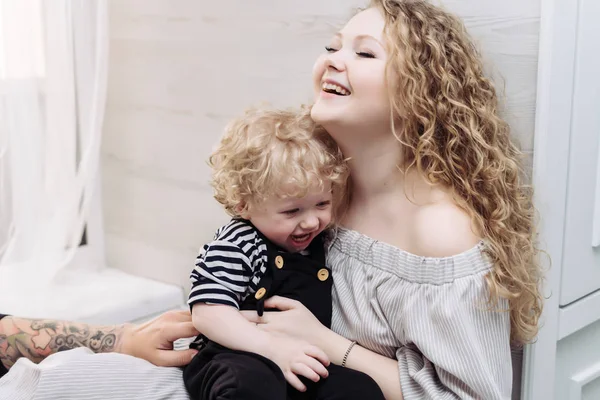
{"x": 443, "y": 229}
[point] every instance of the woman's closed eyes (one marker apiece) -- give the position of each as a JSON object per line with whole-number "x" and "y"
{"x": 363, "y": 54}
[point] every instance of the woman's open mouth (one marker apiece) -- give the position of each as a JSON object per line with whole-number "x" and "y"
{"x": 334, "y": 89}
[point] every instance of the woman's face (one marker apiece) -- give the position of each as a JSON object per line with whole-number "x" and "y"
{"x": 349, "y": 79}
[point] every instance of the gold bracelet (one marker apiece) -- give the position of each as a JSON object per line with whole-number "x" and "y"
{"x": 348, "y": 353}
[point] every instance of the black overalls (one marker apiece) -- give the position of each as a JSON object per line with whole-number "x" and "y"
{"x": 220, "y": 373}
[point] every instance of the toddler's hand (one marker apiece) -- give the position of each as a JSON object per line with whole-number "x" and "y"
{"x": 296, "y": 357}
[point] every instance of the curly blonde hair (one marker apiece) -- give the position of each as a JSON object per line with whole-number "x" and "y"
{"x": 448, "y": 122}
{"x": 268, "y": 152}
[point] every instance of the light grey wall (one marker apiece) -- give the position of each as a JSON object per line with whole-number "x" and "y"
{"x": 179, "y": 70}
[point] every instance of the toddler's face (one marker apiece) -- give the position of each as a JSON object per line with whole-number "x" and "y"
{"x": 292, "y": 223}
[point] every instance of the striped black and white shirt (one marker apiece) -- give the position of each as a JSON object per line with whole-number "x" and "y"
{"x": 229, "y": 268}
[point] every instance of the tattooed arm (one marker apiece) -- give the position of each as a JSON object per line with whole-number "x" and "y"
{"x": 38, "y": 338}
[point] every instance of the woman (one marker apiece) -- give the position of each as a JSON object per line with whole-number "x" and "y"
{"x": 436, "y": 240}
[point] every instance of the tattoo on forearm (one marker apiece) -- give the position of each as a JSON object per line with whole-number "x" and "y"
{"x": 37, "y": 339}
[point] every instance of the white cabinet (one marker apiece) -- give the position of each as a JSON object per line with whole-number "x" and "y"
{"x": 564, "y": 363}
{"x": 581, "y": 257}
{"x": 578, "y": 365}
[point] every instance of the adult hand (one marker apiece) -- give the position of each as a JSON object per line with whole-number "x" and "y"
{"x": 293, "y": 319}
{"x": 153, "y": 340}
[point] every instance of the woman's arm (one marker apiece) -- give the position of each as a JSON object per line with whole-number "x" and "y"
{"x": 382, "y": 369}
{"x": 297, "y": 321}
{"x": 36, "y": 339}
{"x": 456, "y": 348}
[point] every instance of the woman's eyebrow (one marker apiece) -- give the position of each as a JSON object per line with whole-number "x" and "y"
{"x": 361, "y": 37}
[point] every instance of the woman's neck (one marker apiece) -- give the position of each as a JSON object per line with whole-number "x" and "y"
{"x": 379, "y": 187}
{"x": 373, "y": 166}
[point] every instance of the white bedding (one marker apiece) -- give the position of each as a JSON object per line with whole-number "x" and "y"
{"x": 81, "y": 374}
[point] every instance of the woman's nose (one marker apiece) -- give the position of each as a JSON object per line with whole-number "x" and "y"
{"x": 335, "y": 61}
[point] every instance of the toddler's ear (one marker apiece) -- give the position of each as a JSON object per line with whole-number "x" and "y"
{"x": 242, "y": 210}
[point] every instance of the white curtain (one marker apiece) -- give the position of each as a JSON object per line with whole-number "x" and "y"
{"x": 53, "y": 77}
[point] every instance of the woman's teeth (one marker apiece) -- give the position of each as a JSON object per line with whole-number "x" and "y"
{"x": 331, "y": 88}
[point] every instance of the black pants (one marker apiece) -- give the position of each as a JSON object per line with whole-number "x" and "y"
{"x": 217, "y": 373}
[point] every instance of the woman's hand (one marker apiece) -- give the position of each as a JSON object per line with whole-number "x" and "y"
{"x": 293, "y": 320}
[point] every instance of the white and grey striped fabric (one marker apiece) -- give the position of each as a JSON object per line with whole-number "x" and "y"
{"x": 428, "y": 313}
{"x": 229, "y": 268}
{"x": 80, "y": 374}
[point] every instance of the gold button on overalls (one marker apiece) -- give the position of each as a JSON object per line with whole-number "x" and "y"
{"x": 279, "y": 262}
{"x": 323, "y": 274}
{"x": 260, "y": 293}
